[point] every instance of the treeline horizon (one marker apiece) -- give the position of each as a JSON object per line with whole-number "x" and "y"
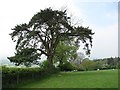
{"x": 7, "y": 62}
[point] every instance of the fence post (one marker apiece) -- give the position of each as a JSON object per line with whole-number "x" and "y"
{"x": 18, "y": 77}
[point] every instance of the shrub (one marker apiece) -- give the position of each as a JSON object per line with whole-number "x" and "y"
{"x": 66, "y": 67}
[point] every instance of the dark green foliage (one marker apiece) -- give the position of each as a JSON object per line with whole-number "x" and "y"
{"x": 44, "y": 32}
{"x": 25, "y": 57}
{"x": 66, "y": 67}
{"x": 13, "y": 76}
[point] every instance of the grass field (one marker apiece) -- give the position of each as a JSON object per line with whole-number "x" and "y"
{"x": 89, "y": 79}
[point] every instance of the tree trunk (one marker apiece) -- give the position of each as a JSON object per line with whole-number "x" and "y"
{"x": 17, "y": 78}
{"x": 61, "y": 62}
{"x": 50, "y": 62}
{"x": 50, "y": 59}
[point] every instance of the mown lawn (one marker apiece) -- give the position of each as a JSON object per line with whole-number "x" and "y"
{"x": 83, "y": 79}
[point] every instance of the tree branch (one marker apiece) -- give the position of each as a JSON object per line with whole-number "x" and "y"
{"x": 43, "y": 52}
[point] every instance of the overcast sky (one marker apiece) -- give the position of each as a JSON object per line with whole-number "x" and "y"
{"x": 101, "y": 17}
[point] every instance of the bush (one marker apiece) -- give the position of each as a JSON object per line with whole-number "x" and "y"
{"x": 66, "y": 67}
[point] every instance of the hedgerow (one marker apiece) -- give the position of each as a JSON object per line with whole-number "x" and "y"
{"x": 12, "y": 76}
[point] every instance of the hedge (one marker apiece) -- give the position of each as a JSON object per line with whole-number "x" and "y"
{"x": 13, "y": 76}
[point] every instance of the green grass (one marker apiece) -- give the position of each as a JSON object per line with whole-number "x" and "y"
{"x": 89, "y": 79}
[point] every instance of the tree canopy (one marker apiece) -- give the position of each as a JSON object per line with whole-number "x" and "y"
{"x": 44, "y": 32}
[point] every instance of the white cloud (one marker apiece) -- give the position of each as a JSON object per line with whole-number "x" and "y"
{"x": 105, "y": 42}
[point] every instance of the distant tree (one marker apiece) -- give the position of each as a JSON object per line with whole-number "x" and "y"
{"x": 107, "y": 63}
{"x": 112, "y": 62}
{"x": 79, "y": 57}
{"x": 118, "y": 63}
{"x": 87, "y": 65}
{"x": 44, "y": 32}
{"x": 98, "y": 64}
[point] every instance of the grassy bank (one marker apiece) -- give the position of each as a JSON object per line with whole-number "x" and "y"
{"x": 85, "y": 79}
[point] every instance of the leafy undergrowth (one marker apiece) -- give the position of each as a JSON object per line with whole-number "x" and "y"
{"x": 83, "y": 79}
